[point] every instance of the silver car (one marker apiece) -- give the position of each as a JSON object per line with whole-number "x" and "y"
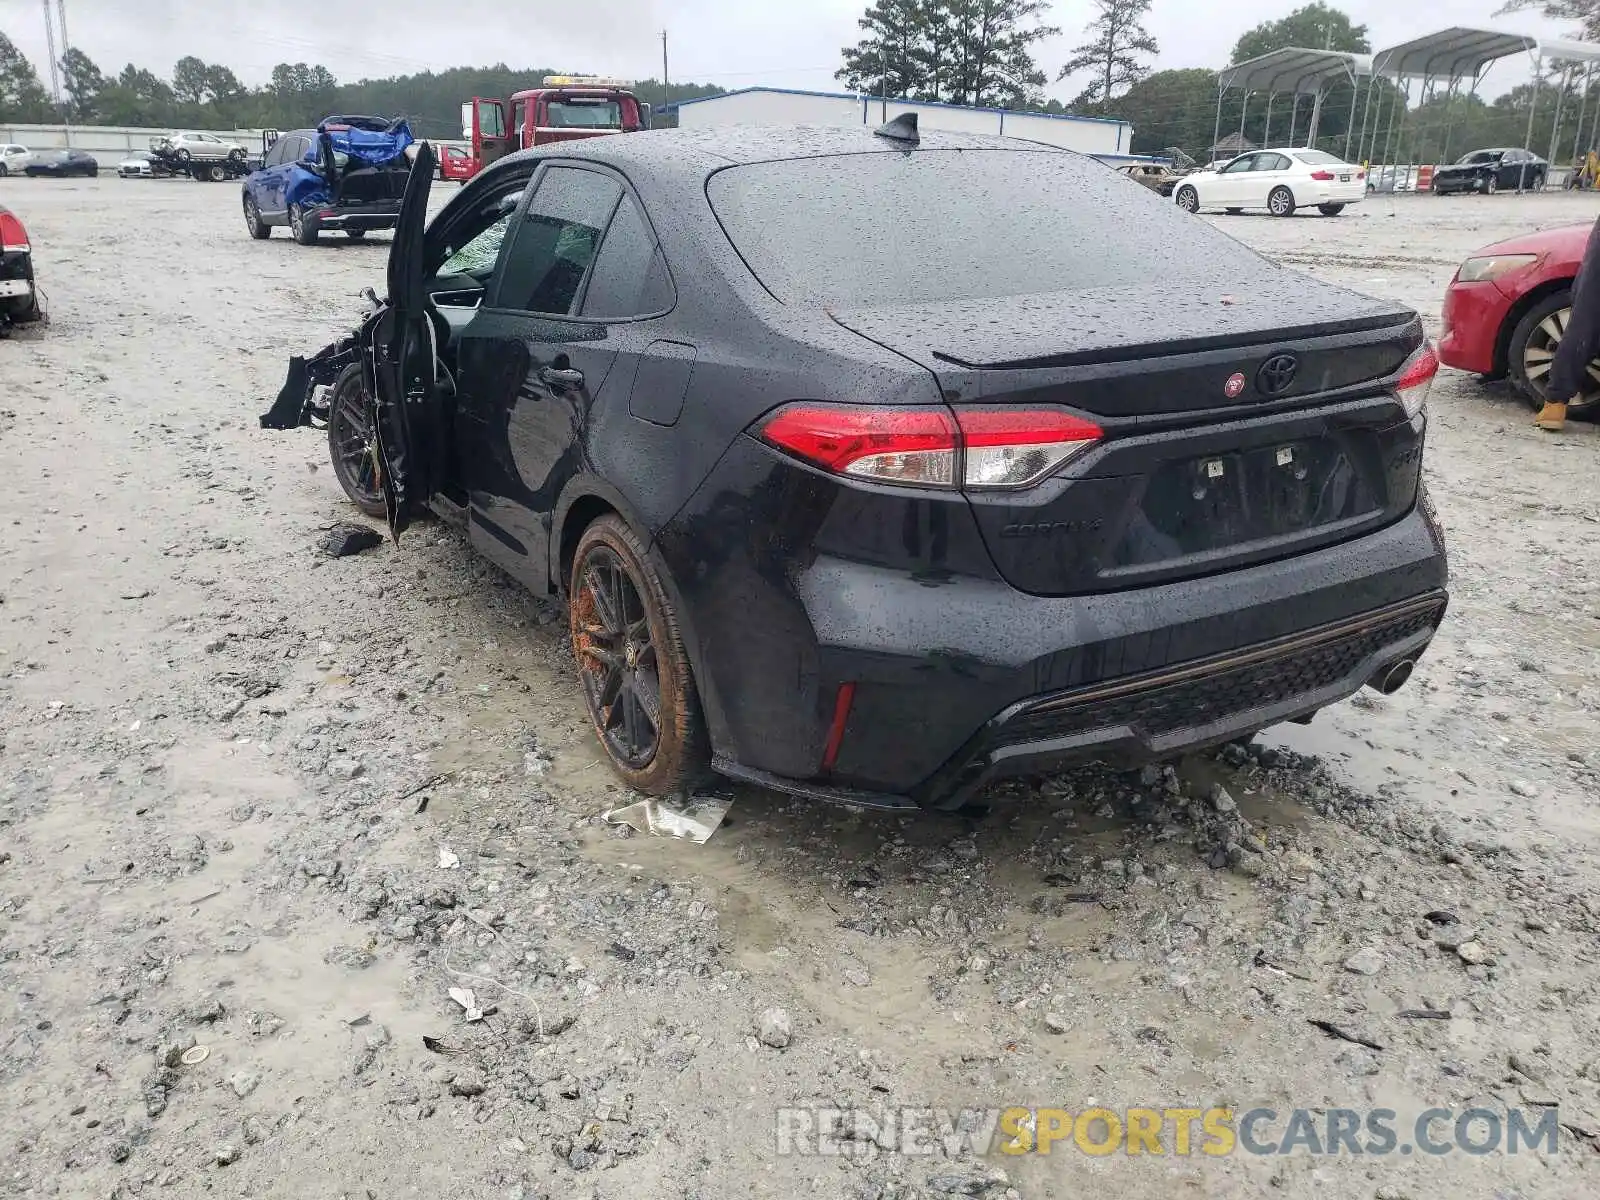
{"x": 138, "y": 165}
{"x": 199, "y": 147}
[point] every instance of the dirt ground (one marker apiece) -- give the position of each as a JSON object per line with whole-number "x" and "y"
{"x": 217, "y": 745}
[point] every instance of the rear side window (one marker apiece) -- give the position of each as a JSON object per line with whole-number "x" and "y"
{"x": 937, "y": 225}
{"x": 554, "y": 245}
{"x": 630, "y": 276}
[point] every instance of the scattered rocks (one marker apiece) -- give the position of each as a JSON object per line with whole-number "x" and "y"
{"x": 468, "y": 1084}
{"x": 226, "y": 1154}
{"x": 1055, "y": 1023}
{"x": 243, "y": 1083}
{"x": 1368, "y": 960}
{"x": 1222, "y": 800}
{"x": 1474, "y": 954}
{"x": 775, "y": 1029}
{"x": 1521, "y": 787}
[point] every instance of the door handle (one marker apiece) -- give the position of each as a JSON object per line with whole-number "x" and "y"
{"x": 562, "y": 377}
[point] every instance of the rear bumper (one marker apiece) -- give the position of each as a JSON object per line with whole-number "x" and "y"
{"x": 958, "y": 679}
{"x": 1334, "y": 193}
{"x": 362, "y": 216}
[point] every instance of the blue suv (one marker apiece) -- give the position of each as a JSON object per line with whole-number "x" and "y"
{"x": 347, "y": 174}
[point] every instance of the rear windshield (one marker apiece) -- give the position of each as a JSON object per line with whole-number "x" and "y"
{"x": 1317, "y": 158}
{"x": 867, "y": 229}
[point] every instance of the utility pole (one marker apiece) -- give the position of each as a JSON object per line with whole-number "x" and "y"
{"x": 663, "y": 60}
{"x": 50, "y": 41}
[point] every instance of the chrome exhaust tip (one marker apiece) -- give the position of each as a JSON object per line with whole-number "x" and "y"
{"x": 1393, "y": 677}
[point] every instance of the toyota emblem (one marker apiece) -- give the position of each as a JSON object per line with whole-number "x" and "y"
{"x": 1277, "y": 374}
{"x": 1234, "y": 388}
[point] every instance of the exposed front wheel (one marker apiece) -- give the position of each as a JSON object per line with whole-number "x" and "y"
{"x": 352, "y": 444}
{"x": 1330, "y": 210}
{"x": 1491, "y": 186}
{"x": 637, "y": 683}
{"x": 1281, "y": 202}
{"x": 1532, "y": 354}
{"x": 1189, "y": 200}
{"x": 303, "y": 227}
{"x": 4, "y": 170}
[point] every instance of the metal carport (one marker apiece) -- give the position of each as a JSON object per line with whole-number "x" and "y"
{"x": 1294, "y": 71}
{"x": 1455, "y": 57}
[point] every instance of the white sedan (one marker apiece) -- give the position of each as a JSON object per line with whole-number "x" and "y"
{"x": 1279, "y": 181}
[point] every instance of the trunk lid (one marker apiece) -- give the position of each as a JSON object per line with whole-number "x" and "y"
{"x": 1214, "y": 458}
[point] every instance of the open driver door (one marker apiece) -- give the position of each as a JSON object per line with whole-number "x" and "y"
{"x": 403, "y": 350}
{"x": 490, "y": 138}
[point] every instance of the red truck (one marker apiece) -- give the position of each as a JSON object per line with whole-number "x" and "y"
{"x": 565, "y": 108}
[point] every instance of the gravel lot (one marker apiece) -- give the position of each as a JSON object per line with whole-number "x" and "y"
{"x": 216, "y": 743}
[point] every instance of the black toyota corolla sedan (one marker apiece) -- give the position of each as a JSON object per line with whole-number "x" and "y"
{"x": 874, "y": 467}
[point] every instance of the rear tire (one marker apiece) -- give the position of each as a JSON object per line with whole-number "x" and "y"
{"x": 217, "y": 173}
{"x": 304, "y": 229}
{"x": 1330, "y": 210}
{"x": 4, "y": 170}
{"x": 630, "y": 657}
{"x": 1281, "y": 202}
{"x": 351, "y": 445}
{"x": 1532, "y": 351}
{"x": 1188, "y": 199}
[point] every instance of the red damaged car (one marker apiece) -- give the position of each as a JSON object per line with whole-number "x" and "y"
{"x": 1507, "y": 307}
{"x": 19, "y": 296}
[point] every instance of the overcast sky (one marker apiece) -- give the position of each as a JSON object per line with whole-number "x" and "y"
{"x": 734, "y": 43}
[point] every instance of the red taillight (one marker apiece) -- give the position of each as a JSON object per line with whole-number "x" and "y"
{"x": 924, "y": 447}
{"x": 1323, "y": 176}
{"x": 13, "y": 237}
{"x": 891, "y": 445}
{"x": 1416, "y": 379}
{"x": 1361, "y": 174}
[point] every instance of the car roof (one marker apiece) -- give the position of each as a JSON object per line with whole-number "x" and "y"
{"x": 700, "y": 152}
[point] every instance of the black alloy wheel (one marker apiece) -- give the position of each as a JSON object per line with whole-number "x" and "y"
{"x": 621, "y": 675}
{"x": 638, "y": 686}
{"x": 352, "y": 446}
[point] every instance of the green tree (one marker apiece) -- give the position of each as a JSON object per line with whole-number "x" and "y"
{"x": 22, "y": 96}
{"x": 1316, "y": 26}
{"x": 892, "y": 58}
{"x": 1585, "y": 12}
{"x": 960, "y": 51}
{"x": 982, "y": 52}
{"x": 83, "y": 83}
{"x": 189, "y": 80}
{"x": 137, "y": 97}
{"x": 1172, "y": 108}
{"x": 1117, "y": 53}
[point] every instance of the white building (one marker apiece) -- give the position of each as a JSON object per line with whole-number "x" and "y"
{"x": 780, "y": 106}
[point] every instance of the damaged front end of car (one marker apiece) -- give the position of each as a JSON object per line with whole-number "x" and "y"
{"x": 395, "y": 349}
{"x": 355, "y": 161}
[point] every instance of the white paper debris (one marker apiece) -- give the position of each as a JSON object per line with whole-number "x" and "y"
{"x": 468, "y": 1002}
{"x": 695, "y": 820}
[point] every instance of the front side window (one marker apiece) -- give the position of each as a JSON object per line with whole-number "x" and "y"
{"x": 491, "y": 119}
{"x": 1240, "y": 165}
{"x": 547, "y": 263}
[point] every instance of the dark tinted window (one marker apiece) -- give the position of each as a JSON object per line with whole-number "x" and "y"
{"x": 555, "y": 243}
{"x": 629, "y": 277}
{"x": 864, "y": 229}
